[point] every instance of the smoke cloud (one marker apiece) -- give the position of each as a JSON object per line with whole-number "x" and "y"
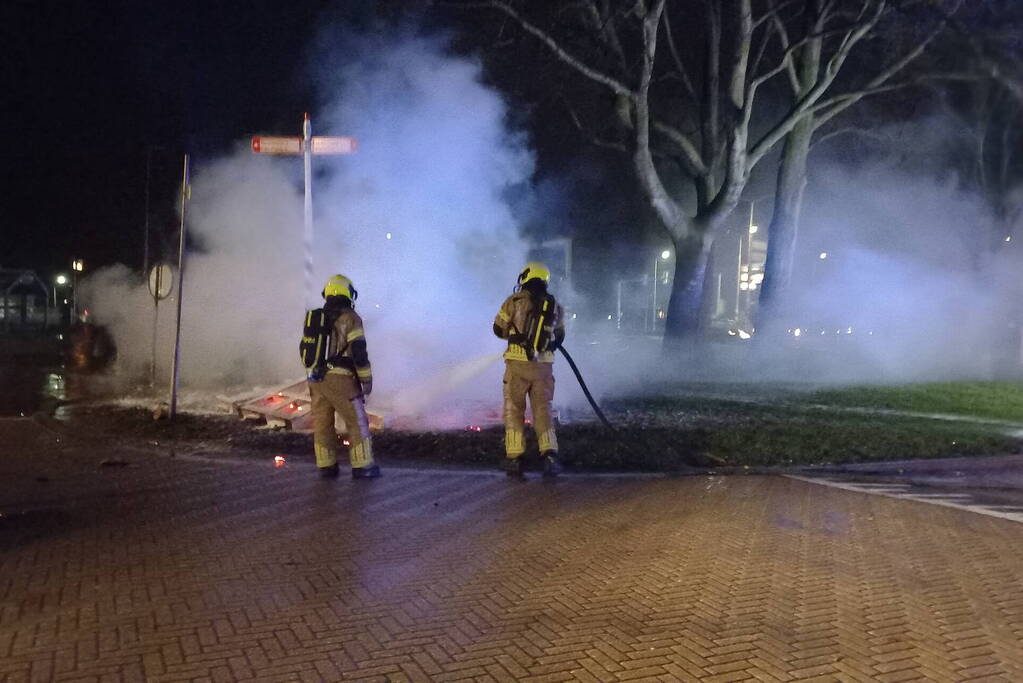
{"x": 416, "y": 218}
{"x": 420, "y": 219}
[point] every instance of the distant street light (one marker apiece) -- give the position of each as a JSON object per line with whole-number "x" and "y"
{"x": 61, "y": 280}
{"x": 823, "y": 255}
{"x": 77, "y": 266}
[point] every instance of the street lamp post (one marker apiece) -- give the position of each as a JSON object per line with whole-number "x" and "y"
{"x": 664, "y": 256}
{"x": 61, "y": 280}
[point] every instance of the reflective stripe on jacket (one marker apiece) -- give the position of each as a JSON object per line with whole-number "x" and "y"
{"x": 347, "y": 350}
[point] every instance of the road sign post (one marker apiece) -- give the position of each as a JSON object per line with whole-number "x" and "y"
{"x": 307, "y": 146}
{"x": 186, "y": 190}
{"x": 307, "y": 212}
{"x": 161, "y": 281}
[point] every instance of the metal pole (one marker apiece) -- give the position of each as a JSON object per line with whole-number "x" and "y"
{"x": 185, "y": 191}
{"x": 619, "y": 304}
{"x": 156, "y": 318}
{"x": 145, "y": 244}
{"x": 653, "y": 308}
{"x": 307, "y": 242}
{"x": 748, "y": 299}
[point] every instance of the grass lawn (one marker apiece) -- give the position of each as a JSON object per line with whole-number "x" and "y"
{"x": 784, "y": 433}
{"x": 652, "y": 434}
{"x": 986, "y": 400}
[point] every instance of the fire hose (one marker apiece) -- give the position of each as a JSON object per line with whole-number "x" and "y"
{"x": 586, "y": 390}
{"x": 578, "y": 376}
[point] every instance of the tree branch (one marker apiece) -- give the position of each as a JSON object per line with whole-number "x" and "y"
{"x": 850, "y": 130}
{"x": 804, "y": 105}
{"x": 666, "y": 207}
{"x": 690, "y": 153}
{"x": 737, "y": 86}
{"x": 783, "y": 36}
{"x": 679, "y": 64}
{"x": 873, "y": 85}
{"x": 605, "y": 27}
{"x": 593, "y": 74}
{"x": 596, "y": 140}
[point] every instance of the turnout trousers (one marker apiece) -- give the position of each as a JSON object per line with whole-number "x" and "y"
{"x": 340, "y": 393}
{"x": 535, "y": 380}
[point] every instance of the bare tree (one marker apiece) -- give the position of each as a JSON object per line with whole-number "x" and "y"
{"x": 693, "y": 86}
{"x": 911, "y": 28}
{"x": 992, "y": 165}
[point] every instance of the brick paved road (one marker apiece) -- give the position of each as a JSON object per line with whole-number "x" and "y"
{"x": 181, "y": 570}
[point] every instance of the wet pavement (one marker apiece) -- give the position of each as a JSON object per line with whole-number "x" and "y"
{"x": 988, "y": 485}
{"x": 27, "y": 386}
{"x": 124, "y": 565}
{"x": 34, "y": 377}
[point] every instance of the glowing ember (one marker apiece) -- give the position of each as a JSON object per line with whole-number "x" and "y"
{"x": 473, "y": 428}
{"x": 346, "y": 442}
{"x": 279, "y": 461}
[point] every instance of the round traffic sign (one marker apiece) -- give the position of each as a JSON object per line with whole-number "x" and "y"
{"x": 161, "y": 280}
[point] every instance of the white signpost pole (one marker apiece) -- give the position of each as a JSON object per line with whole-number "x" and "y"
{"x": 161, "y": 281}
{"x": 185, "y": 191}
{"x": 307, "y": 161}
{"x": 307, "y": 146}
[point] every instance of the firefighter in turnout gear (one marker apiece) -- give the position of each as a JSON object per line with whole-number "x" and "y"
{"x": 341, "y": 382}
{"x": 533, "y": 323}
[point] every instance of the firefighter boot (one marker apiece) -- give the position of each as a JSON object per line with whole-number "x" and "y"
{"x": 551, "y": 464}
{"x": 330, "y": 472}
{"x": 513, "y": 467}
{"x": 371, "y": 472}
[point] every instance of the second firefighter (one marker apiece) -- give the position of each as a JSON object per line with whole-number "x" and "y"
{"x": 340, "y": 377}
{"x": 533, "y": 323}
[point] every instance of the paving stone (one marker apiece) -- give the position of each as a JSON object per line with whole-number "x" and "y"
{"x": 196, "y": 570}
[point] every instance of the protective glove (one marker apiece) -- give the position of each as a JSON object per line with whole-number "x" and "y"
{"x": 367, "y": 387}
{"x": 553, "y": 345}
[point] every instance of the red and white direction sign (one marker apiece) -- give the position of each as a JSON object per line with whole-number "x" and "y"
{"x": 333, "y": 145}
{"x": 272, "y": 144}
{"x": 267, "y": 144}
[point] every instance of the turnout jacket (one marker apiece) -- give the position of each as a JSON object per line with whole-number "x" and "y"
{"x": 514, "y": 318}
{"x": 346, "y": 353}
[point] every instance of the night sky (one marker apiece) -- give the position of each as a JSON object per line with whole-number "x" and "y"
{"x": 90, "y": 86}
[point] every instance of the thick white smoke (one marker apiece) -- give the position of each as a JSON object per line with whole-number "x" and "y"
{"x": 418, "y": 219}
{"x": 902, "y": 294}
{"x": 415, "y": 218}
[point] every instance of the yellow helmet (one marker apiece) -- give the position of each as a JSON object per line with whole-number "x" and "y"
{"x": 535, "y": 270}
{"x": 339, "y": 285}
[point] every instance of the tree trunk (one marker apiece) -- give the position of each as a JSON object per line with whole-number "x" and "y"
{"x": 788, "y": 202}
{"x": 784, "y": 227}
{"x": 686, "y": 302}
